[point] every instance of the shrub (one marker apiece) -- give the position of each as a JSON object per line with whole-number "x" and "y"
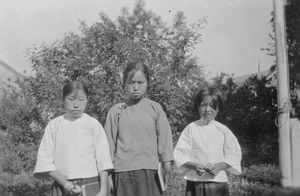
{"x": 263, "y": 173}
{"x": 98, "y": 55}
{"x": 259, "y": 180}
{"x": 23, "y": 184}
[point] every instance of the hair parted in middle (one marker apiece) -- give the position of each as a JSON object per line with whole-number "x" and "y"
{"x": 215, "y": 95}
{"x": 132, "y": 68}
{"x": 72, "y": 85}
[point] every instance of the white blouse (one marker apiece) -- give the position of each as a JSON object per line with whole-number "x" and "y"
{"x": 207, "y": 144}
{"x": 76, "y": 149}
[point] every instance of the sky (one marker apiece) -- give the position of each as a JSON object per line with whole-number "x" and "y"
{"x": 232, "y": 39}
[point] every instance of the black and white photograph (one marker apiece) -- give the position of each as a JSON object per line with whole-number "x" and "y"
{"x": 149, "y": 97}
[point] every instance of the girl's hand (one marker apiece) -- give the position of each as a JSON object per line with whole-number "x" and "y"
{"x": 76, "y": 189}
{"x": 167, "y": 169}
{"x": 208, "y": 168}
{"x": 110, "y": 183}
{"x": 104, "y": 186}
{"x": 217, "y": 167}
{"x": 68, "y": 186}
{"x": 200, "y": 169}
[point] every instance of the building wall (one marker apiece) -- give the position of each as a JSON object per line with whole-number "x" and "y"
{"x": 8, "y": 76}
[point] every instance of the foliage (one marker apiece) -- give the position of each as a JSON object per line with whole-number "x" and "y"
{"x": 292, "y": 16}
{"x": 261, "y": 180}
{"x": 254, "y": 107}
{"x": 250, "y": 112}
{"x": 293, "y": 40}
{"x": 98, "y": 56}
{"x": 264, "y": 173}
{"x": 255, "y": 180}
{"x": 20, "y": 139}
{"x": 23, "y": 184}
{"x": 224, "y": 82}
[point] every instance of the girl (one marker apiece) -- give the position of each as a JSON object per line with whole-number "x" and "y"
{"x": 207, "y": 149}
{"x": 74, "y": 149}
{"x": 139, "y": 136}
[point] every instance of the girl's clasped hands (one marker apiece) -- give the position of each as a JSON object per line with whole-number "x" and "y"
{"x": 209, "y": 168}
{"x": 71, "y": 188}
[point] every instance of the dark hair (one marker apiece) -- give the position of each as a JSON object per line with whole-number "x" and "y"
{"x": 73, "y": 85}
{"x": 132, "y": 68}
{"x": 215, "y": 96}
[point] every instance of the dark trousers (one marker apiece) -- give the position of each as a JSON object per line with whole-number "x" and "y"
{"x": 206, "y": 188}
{"x": 143, "y": 182}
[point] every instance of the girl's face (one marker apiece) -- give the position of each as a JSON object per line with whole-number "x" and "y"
{"x": 136, "y": 87}
{"x": 206, "y": 109}
{"x": 75, "y": 104}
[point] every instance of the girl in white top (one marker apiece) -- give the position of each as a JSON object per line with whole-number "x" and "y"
{"x": 207, "y": 149}
{"x": 74, "y": 149}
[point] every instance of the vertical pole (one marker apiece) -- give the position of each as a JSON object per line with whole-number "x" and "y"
{"x": 282, "y": 93}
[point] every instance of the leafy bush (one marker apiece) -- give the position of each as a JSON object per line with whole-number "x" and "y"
{"x": 255, "y": 180}
{"x": 177, "y": 184}
{"x": 250, "y": 112}
{"x": 260, "y": 180}
{"x": 264, "y": 173}
{"x": 242, "y": 187}
{"x": 23, "y": 184}
{"x": 98, "y": 55}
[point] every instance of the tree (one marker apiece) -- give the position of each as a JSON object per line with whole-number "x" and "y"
{"x": 98, "y": 55}
{"x": 250, "y": 112}
{"x": 293, "y": 40}
{"x": 224, "y": 82}
{"x": 292, "y": 16}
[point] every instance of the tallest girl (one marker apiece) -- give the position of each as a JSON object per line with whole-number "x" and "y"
{"x": 139, "y": 135}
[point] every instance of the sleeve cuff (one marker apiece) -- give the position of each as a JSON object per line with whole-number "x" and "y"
{"x": 105, "y": 166}
{"x": 42, "y": 171}
{"x": 234, "y": 168}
